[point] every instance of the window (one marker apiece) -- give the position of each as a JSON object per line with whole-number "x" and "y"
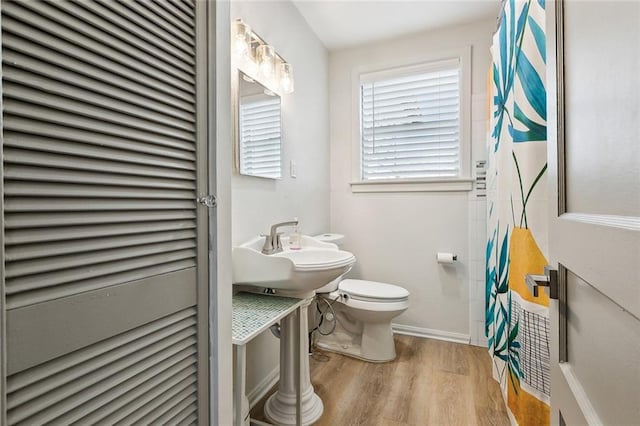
{"x": 411, "y": 124}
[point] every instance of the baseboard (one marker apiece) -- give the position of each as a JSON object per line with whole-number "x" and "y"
{"x": 429, "y": 333}
{"x": 265, "y": 385}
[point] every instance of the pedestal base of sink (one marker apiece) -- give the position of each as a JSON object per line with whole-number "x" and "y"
{"x": 280, "y": 408}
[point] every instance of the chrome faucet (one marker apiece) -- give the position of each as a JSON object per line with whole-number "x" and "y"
{"x": 272, "y": 242}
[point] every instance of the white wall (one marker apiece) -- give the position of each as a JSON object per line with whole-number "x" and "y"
{"x": 395, "y": 236}
{"x": 258, "y": 203}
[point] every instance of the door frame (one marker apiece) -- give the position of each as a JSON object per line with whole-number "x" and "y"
{"x": 220, "y": 154}
{"x": 556, "y": 187}
{"x": 205, "y": 234}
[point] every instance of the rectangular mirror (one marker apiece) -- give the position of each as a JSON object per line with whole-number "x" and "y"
{"x": 258, "y": 132}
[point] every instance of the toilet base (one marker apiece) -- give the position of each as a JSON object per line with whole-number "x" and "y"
{"x": 362, "y": 331}
{"x": 342, "y": 343}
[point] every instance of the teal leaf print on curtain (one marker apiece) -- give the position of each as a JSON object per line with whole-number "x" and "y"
{"x": 515, "y": 373}
{"x": 502, "y": 278}
{"x": 503, "y": 338}
{"x": 491, "y": 290}
{"x": 534, "y": 132}
{"x": 504, "y": 74}
{"x": 538, "y": 34}
{"x": 534, "y": 91}
{"x": 514, "y": 62}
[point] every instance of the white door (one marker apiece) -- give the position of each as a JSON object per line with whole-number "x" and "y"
{"x": 594, "y": 165}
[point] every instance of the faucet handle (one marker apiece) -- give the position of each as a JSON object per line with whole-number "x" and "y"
{"x": 278, "y": 242}
{"x": 267, "y": 248}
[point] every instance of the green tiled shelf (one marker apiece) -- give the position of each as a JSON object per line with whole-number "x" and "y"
{"x": 253, "y": 313}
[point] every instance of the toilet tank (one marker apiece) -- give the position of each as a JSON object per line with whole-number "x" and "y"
{"x": 336, "y": 239}
{"x": 328, "y": 237}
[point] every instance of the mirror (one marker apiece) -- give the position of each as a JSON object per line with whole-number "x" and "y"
{"x": 258, "y": 129}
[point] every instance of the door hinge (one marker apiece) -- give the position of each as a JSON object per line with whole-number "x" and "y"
{"x": 208, "y": 201}
{"x": 549, "y": 279}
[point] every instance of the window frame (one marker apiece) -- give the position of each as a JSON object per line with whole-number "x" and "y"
{"x": 382, "y": 71}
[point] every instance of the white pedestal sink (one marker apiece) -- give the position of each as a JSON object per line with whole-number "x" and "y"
{"x": 293, "y": 273}
{"x": 296, "y": 273}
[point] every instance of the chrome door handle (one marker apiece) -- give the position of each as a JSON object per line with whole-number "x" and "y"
{"x": 557, "y": 283}
{"x": 549, "y": 279}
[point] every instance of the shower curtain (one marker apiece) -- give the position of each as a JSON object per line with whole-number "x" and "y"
{"x": 517, "y": 323}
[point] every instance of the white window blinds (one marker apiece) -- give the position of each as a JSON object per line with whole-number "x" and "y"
{"x": 260, "y": 136}
{"x": 410, "y": 123}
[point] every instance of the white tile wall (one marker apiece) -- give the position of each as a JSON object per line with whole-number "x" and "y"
{"x": 477, "y": 226}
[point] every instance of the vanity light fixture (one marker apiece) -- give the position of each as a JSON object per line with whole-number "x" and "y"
{"x": 259, "y": 60}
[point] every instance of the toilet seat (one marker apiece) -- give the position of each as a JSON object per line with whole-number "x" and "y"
{"x": 372, "y": 291}
{"x": 372, "y": 295}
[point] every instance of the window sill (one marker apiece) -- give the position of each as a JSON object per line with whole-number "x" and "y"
{"x": 439, "y": 185}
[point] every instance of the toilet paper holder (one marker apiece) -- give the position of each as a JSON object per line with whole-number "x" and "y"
{"x": 446, "y": 258}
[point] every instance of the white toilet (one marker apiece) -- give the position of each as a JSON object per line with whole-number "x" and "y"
{"x": 363, "y": 313}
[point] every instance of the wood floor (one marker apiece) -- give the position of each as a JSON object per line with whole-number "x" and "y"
{"x": 431, "y": 382}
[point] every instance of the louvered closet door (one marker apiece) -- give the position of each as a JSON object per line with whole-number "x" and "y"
{"x": 105, "y": 247}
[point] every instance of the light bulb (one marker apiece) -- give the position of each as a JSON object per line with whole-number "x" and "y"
{"x": 286, "y": 77}
{"x": 241, "y": 37}
{"x": 266, "y": 56}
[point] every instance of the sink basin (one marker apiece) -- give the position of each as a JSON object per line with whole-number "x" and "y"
{"x": 291, "y": 271}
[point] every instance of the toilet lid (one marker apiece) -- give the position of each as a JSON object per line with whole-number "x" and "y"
{"x": 373, "y": 290}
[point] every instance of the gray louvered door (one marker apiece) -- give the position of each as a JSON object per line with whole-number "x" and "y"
{"x": 104, "y": 132}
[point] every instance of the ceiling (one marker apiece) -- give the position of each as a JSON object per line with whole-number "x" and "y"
{"x": 344, "y": 23}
